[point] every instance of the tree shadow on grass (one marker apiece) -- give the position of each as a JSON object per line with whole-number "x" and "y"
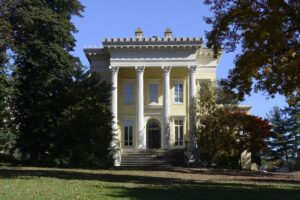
{"x": 149, "y": 187}
{"x": 206, "y": 191}
{"x": 111, "y": 177}
{"x": 213, "y": 171}
{"x": 245, "y": 175}
{"x": 75, "y": 175}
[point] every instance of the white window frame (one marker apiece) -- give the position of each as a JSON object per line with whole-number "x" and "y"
{"x": 128, "y": 132}
{"x": 174, "y": 92}
{"x": 126, "y": 83}
{"x": 179, "y": 142}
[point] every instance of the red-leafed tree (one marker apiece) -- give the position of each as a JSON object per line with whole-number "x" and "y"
{"x": 223, "y": 131}
{"x": 250, "y": 133}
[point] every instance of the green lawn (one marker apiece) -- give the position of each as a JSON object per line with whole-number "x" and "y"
{"x": 178, "y": 183}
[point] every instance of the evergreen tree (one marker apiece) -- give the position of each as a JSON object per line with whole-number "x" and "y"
{"x": 61, "y": 112}
{"x": 44, "y": 68}
{"x": 279, "y": 148}
{"x": 7, "y": 135}
{"x": 83, "y": 133}
{"x": 293, "y": 112}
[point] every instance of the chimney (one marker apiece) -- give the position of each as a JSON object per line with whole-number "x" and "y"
{"x": 168, "y": 33}
{"x": 139, "y": 33}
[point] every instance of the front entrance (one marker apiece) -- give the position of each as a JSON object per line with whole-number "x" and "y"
{"x": 153, "y": 135}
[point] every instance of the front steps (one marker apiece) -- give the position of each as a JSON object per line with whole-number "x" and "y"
{"x": 152, "y": 157}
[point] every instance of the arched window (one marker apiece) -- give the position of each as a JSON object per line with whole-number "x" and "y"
{"x": 153, "y": 126}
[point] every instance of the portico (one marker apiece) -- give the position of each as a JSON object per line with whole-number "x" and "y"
{"x": 140, "y": 117}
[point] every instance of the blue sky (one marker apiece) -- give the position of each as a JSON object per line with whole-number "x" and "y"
{"x": 120, "y": 18}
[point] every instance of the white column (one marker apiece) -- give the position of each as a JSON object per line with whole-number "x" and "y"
{"x": 141, "y": 137}
{"x": 192, "y": 95}
{"x": 166, "y": 108}
{"x": 115, "y": 144}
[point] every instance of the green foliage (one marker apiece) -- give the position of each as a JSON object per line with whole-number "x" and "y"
{"x": 210, "y": 120}
{"x": 84, "y": 130}
{"x": 61, "y": 113}
{"x": 224, "y": 131}
{"x": 268, "y": 34}
{"x": 284, "y": 145}
{"x": 279, "y": 143}
{"x": 5, "y": 28}
{"x": 293, "y": 123}
{"x": 7, "y": 131}
{"x": 44, "y": 69}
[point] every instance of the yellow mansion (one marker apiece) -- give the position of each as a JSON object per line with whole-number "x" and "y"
{"x": 153, "y": 82}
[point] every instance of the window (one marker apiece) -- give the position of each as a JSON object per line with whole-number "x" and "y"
{"x": 153, "y": 93}
{"x": 128, "y": 130}
{"x": 178, "y": 132}
{"x": 128, "y": 93}
{"x": 178, "y": 93}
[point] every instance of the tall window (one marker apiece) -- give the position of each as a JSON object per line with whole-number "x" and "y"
{"x": 128, "y": 93}
{"x": 178, "y": 93}
{"x": 178, "y": 132}
{"x": 128, "y": 130}
{"x": 153, "y": 93}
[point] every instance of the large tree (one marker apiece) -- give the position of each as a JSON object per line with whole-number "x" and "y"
{"x": 249, "y": 133}
{"x": 293, "y": 128}
{"x": 7, "y": 135}
{"x": 62, "y": 113}
{"x": 83, "y": 130}
{"x": 268, "y": 33}
{"x": 44, "y": 68}
{"x": 7, "y": 130}
{"x": 224, "y": 131}
{"x": 211, "y": 129}
{"x": 279, "y": 149}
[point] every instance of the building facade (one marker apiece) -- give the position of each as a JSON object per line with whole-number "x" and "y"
{"x": 154, "y": 81}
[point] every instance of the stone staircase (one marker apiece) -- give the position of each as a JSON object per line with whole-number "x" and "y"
{"x": 152, "y": 157}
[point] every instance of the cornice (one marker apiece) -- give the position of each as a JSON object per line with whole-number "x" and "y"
{"x": 152, "y": 42}
{"x": 96, "y": 52}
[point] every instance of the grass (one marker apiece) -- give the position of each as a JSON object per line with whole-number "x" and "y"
{"x": 178, "y": 183}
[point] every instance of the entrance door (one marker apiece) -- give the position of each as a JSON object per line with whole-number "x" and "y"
{"x": 153, "y": 135}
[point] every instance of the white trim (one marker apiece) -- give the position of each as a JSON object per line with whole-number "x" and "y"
{"x": 178, "y": 81}
{"x": 175, "y": 117}
{"x": 151, "y": 106}
{"x": 153, "y": 63}
{"x": 153, "y": 80}
{"x": 128, "y": 117}
{"x": 132, "y": 136}
{"x": 183, "y": 131}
